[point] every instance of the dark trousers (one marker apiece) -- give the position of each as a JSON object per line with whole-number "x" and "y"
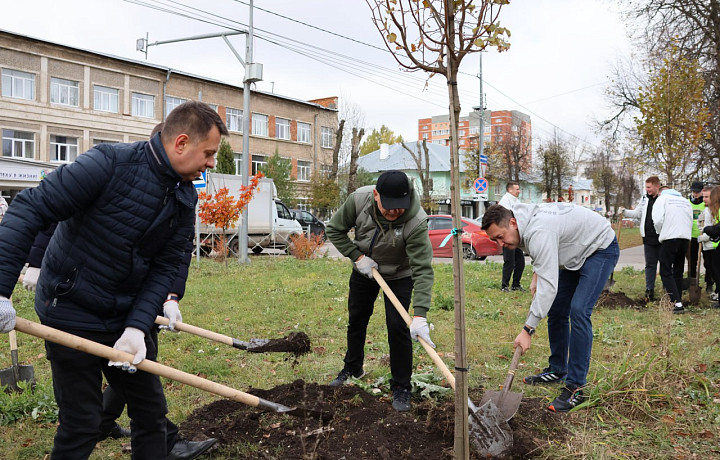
{"x": 652, "y": 255}
{"x": 361, "y": 301}
{"x": 513, "y": 264}
{"x": 709, "y": 269}
{"x": 672, "y": 266}
{"x": 715, "y": 260}
{"x": 77, "y": 383}
{"x": 694, "y": 248}
{"x": 113, "y": 406}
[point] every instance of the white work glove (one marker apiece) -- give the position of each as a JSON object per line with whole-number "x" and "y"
{"x": 30, "y": 278}
{"x": 131, "y": 341}
{"x": 365, "y": 266}
{"x": 171, "y": 311}
{"x": 703, "y": 238}
{"x": 419, "y": 328}
{"x": 621, "y": 211}
{"x": 7, "y": 315}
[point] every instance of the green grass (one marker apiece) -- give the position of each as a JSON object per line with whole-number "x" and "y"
{"x": 653, "y": 379}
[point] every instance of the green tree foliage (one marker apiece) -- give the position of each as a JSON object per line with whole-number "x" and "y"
{"x": 674, "y": 115}
{"x": 324, "y": 194}
{"x": 382, "y": 136}
{"x": 280, "y": 171}
{"x": 225, "y": 158}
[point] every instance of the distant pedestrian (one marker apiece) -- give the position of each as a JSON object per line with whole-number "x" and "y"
{"x": 651, "y": 243}
{"x": 513, "y": 259}
{"x": 574, "y": 251}
{"x": 698, "y": 207}
{"x": 712, "y": 230}
{"x": 709, "y": 247}
{"x": 672, "y": 216}
{"x": 3, "y": 206}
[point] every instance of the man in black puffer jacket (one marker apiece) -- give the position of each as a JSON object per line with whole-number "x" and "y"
{"x": 126, "y": 212}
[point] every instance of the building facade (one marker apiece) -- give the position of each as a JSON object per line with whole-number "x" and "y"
{"x": 58, "y": 101}
{"x": 498, "y": 126}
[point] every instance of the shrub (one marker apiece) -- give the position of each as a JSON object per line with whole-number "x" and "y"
{"x": 304, "y": 248}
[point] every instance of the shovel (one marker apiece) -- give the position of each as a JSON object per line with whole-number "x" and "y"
{"x": 694, "y": 290}
{"x": 611, "y": 282}
{"x": 490, "y": 433}
{"x": 17, "y": 373}
{"x": 506, "y": 401}
{"x": 296, "y": 342}
{"x": 103, "y": 351}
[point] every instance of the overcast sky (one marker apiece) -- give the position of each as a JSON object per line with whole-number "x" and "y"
{"x": 557, "y": 69}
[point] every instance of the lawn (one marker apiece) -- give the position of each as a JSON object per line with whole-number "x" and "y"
{"x": 653, "y": 379}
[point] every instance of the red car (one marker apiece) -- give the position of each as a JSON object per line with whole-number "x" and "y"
{"x": 476, "y": 244}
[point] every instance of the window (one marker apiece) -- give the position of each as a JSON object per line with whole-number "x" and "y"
{"x": 233, "y": 119}
{"x": 64, "y": 149}
{"x": 18, "y": 144}
{"x": 325, "y": 170}
{"x": 425, "y": 135}
{"x": 238, "y": 163}
{"x": 18, "y": 84}
{"x": 303, "y": 204}
{"x": 258, "y": 161}
{"x": 143, "y": 105}
{"x": 214, "y": 107}
{"x": 303, "y": 132}
{"x": 283, "y": 212}
{"x": 327, "y": 135}
{"x": 475, "y": 130}
{"x": 303, "y": 171}
{"x": 64, "y": 92}
{"x": 441, "y": 132}
{"x": 259, "y": 124}
{"x": 461, "y": 133}
{"x": 282, "y": 128}
{"x": 171, "y": 103}
{"x": 106, "y": 99}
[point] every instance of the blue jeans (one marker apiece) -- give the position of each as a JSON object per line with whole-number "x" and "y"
{"x": 569, "y": 324}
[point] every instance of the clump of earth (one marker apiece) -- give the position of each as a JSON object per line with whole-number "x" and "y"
{"x": 349, "y": 423}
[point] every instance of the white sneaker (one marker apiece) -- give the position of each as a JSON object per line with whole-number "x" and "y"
{"x": 714, "y": 296}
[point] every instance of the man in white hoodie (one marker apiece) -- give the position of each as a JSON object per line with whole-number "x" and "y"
{"x": 573, "y": 251}
{"x": 673, "y": 219}
{"x": 513, "y": 259}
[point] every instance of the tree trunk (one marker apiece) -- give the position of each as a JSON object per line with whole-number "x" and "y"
{"x": 354, "y": 154}
{"x": 336, "y": 150}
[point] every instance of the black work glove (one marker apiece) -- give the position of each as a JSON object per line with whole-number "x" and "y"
{"x": 713, "y": 231}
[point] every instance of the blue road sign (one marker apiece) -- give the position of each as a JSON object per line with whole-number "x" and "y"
{"x": 200, "y": 182}
{"x": 480, "y": 184}
{"x": 483, "y": 159}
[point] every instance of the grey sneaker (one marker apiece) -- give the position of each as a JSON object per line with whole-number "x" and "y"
{"x": 714, "y": 296}
{"x": 505, "y": 289}
{"x": 401, "y": 400}
{"x": 518, "y": 288}
{"x": 344, "y": 375}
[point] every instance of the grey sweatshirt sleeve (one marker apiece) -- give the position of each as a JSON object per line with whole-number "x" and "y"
{"x": 544, "y": 246}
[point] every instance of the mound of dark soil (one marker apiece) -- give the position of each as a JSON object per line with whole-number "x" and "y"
{"x": 361, "y": 426}
{"x": 610, "y": 299}
{"x": 297, "y": 343}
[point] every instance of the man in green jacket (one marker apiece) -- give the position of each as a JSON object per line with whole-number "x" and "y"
{"x": 391, "y": 235}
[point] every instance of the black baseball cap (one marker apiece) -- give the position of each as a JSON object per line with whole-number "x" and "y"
{"x": 695, "y": 187}
{"x": 394, "y": 190}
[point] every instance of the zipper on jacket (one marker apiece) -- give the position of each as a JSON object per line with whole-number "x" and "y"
{"x": 372, "y": 241}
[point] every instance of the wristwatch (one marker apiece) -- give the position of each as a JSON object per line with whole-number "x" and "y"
{"x": 173, "y": 297}
{"x": 529, "y": 330}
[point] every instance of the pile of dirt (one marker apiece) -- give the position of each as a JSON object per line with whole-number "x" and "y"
{"x": 354, "y": 424}
{"x": 610, "y": 299}
{"x": 297, "y": 343}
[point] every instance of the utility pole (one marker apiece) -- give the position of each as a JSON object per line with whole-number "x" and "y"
{"x": 480, "y": 109}
{"x": 253, "y": 73}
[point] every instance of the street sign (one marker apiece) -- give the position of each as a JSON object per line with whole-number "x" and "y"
{"x": 200, "y": 182}
{"x": 483, "y": 159}
{"x": 480, "y": 185}
{"x": 480, "y": 197}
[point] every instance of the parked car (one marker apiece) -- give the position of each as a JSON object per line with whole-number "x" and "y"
{"x": 308, "y": 220}
{"x": 476, "y": 244}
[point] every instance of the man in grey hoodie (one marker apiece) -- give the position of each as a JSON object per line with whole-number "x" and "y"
{"x": 673, "y": 219}
{"x": 573, "y": 252}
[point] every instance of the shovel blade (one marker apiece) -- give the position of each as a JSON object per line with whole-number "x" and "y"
{"x": 507, "y": 405}
{"x": 490, "y": 434}
{"x": 9, "y": 378}
{"x": 694, "y": 292}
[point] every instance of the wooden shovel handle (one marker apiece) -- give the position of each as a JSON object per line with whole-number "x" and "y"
{"x": 103, "y": 351}
{"x": 12, "y": 336}
{"x": 406, "y": 316}
{"x": 511, "y": 372}
{"x": 189, "y": 328}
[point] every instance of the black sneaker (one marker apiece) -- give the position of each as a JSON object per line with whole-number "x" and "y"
{"x": 344, "y": 375}
{"x": 546, "y": 376}
{"x": 678, "y": 309}
{"x": 709, "y": 289}
{"x": 117, "y": 432}
{"x": 650, "y": 295}
{"x": 568, "y": 399}
{"x": 505, "y": 289}
{"x": 401, "y": 400}
{"x": 518, "y": 288}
